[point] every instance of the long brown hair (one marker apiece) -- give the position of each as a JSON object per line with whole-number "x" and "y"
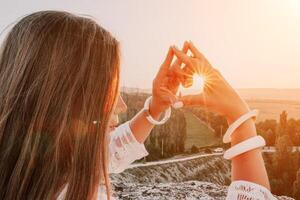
{"x": 56, "y": 68}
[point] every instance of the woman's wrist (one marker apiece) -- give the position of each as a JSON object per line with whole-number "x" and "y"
{"x": 245, "y": 130}
{"x": 237, "y": 112}
{"x": 155, "y": 110}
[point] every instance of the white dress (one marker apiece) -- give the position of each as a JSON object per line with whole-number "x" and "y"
{"x": 125, "y": 149}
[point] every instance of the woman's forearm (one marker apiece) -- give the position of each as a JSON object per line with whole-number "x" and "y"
{"x": 248, "y": 166}
{"x": 140, "y": 126}
{"x": 163, "y": 97}
{"x": 220, "y": 97}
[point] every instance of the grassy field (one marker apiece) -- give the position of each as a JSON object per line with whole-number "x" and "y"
{"x": 198, "y": 133}
{"x": 271, "y": 109}
{"x": 271, "y": 102}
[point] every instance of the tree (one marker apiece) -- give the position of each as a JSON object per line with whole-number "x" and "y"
{"x": 194, "y": 149}
{"x": 282, "y": 129}
{"x": 269, "y": 136}
{"x": 293, "y": 130}
{"x": 296, "y": 186}
{"x": 281, "y": 158}
{"x": 286, "y": 162}
{"x": 267, "y": 129}
{"x": 268, "y": 124}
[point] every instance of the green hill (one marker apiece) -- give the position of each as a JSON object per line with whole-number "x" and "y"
{"x": 198, "y": 133}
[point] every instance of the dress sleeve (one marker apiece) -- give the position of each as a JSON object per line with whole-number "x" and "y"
{"x": 124, "y": 149}
{"x": 244, "y": 190}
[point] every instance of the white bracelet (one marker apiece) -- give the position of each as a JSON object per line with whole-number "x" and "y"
{"x": 247, "y": 145}
{"x": 237, "y": 123}
{"x": 150, "y": 118}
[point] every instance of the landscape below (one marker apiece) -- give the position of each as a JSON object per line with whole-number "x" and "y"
{"x": 203, "y": 178}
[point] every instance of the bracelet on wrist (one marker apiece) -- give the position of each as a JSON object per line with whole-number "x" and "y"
{"x": 245, "y": 146}
{"x": 238, "y": 123}
{"x": 167, "y": 113}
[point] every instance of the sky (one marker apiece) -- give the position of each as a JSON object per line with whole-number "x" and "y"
{"x": 254, "y": 43}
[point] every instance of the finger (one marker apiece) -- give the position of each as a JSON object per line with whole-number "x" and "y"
{"x": 177, "y": 75}
{"x": 175, "y": 67}
{"x": 165, "y": 99}
{"x": 167, "y": 62}
{"x": 194, "y": 50}
{"x": 167, "y": 91}
{"x": 177, "y": 63}
{"x": 187, "y": 83}
{"x": 205, "y": 66}
{"x": 169, "y": 82}
{"x": 179, "y": 72}
{"x": 187, "y": 60}
{"x": 168, "y": 94}
{"x": 173, "y": 84}
{"x": 182, "y": 57}
{"x": 192, "y": 100}
{"x": 185, "y": 49}
{"x": 188, "y": 71}
{"x": 187, "y": 75}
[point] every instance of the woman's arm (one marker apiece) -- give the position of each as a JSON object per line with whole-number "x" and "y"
{"x": 164, "y": 88}
{"x": 126, "y": 142}
{"x": 248, "y": 166}
{"x": 219, "y": 96}
{"x": 140, "y": 126}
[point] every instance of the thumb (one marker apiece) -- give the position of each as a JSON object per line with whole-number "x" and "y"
{"x": 193, "y": 100}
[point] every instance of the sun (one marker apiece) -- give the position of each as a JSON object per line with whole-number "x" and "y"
{"x": 196, "y": 88}
{"x": 198, "y": 82}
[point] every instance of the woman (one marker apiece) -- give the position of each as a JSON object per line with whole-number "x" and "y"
{"x": 59, "y": 79}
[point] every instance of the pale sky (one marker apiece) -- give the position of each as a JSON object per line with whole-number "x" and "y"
{"x": 254, "y": 43}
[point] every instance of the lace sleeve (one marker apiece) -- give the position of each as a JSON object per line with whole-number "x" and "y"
{"x": 124, "y": 149}
{"x": 244, "y": 190}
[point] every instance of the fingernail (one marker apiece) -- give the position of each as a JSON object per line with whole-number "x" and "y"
{"x": 177, "y": 105}
{"x": 190, "y": 41}
{"x": 175, "y": 47}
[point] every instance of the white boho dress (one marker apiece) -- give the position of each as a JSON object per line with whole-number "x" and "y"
{"x": 125, "y": 149}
